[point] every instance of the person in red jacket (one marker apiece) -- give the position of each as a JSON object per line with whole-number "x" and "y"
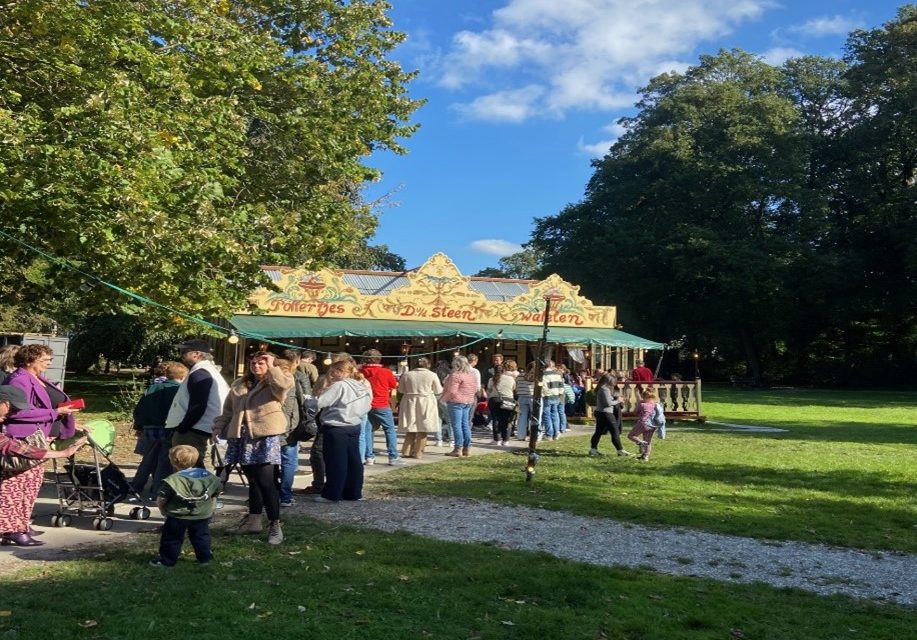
{"x": 641, "y": 373}
{"x": 383, "y": 382}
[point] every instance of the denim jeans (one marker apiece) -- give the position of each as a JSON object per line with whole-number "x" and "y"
{"x": 551, "y": 416}
{"x": 460, "y": 418}
{"x": 173, "y": 536}
{"x": 445, "y": 426}
{"x": 289, "y": 463}
{"x": 525, "y": 415}
{"x": 562, "y": 417}
{"x": 366, "y": 440}
{"x": 384, "y": 418}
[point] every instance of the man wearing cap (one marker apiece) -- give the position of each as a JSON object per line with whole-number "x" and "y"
{"x": 199, "y": 399}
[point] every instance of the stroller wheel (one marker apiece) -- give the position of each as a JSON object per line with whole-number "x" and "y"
{"x": 63, "y": 520}
{"x": 55, "y": 519}
{"x": 135, "y": 513}
{"x": 106, "y": 524}
{"x": 144, "y": 513}
{"x": 97, "y": 523}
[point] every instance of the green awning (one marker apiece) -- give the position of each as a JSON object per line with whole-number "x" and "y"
{"x": 296, "y": 327}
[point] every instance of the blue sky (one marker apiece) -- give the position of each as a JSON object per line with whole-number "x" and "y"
{"x": 522, "y": 94}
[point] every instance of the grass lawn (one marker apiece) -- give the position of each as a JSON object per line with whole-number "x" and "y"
{"x": 843, "y": 473}
{"x": 336, "y": 583}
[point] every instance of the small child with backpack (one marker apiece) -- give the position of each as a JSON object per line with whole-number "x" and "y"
{"x": 650, "y": 419}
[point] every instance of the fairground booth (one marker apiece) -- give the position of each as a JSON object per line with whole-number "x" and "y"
{"x": 433, "y": 311}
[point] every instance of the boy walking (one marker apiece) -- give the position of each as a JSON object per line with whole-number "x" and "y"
{"x": 186, "y": 499}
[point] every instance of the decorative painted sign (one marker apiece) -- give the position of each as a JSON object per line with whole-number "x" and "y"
{"x": 435, "y": 292}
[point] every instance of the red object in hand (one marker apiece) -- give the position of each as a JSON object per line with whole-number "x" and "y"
{"x": 75, "y": 403}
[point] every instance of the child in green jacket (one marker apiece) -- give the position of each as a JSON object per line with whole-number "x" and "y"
{"x": 186, "y": 499}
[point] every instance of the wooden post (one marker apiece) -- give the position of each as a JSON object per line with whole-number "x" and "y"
{"x": 697, "y": 396}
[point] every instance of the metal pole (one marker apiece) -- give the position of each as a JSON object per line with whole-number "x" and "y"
{"x": 537, "y": 396}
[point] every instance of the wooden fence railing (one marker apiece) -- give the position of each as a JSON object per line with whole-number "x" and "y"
{"x": 679, "y": 398}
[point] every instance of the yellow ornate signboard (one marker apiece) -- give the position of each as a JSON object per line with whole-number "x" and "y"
{"x": 435, "y": 292}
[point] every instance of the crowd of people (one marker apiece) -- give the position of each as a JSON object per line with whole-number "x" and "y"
{"x": 262, "y": 419}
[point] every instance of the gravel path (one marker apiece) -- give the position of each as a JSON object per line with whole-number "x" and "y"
{"x": 881, "y": 575}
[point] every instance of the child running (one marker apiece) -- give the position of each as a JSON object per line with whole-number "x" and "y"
{"x": 642, "y": 433}
{"x": 186, "y": 499}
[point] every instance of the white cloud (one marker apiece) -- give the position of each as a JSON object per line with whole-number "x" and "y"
{"x": 493, "y": 247}
{"x": 584, "y": 54}
{"x": 827, "y": 26}
{"x": 515, "y": 105}
{"x": 600, "y": 148}
{"x": 778, "y": 55}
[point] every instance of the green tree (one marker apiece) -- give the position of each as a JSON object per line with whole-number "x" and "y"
{"x": 173, "y": 147}
{"x": 687, "y": 222}
{"x": 372, "y": 258}
{"x": 525, "y": 265}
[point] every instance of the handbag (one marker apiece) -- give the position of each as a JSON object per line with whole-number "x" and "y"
{"x": 12, "y": 464}
{"x": 507, "y": 404}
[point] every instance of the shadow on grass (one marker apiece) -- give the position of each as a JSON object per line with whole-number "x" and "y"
{"x": 827, "y": 398}
{"x": 328, "y": 582}
{"x": 848, "y": 431}
{"x": 835, "y": 481}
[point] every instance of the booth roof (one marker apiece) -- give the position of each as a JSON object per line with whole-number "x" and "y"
{"x": 297, "y": 327}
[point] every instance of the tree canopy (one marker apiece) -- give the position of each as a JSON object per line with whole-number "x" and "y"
{"x": 173, "y": 147}
{"x": 766, "y": 213}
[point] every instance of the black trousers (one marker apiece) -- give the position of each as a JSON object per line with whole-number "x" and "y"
{"x": 343, "y": 463}
{"x": 499, "y": 419}
{"x": 263, "y": 492}
{"x": 317, "y": 461}
{"x": 173, "y": 536}
{"x": 605, "y": 423}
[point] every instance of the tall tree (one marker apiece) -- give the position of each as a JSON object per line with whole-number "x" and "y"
{"x": 525, "y": 265}
{"x": 685, "y": 222}
{"x": 173, "y": 147}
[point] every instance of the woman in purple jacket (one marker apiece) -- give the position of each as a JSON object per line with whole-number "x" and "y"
{"x": 19, "y": 492}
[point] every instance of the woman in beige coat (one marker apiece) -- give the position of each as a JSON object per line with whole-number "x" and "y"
{"x": 255, "y": 424}
{"x": 418, "y": 409}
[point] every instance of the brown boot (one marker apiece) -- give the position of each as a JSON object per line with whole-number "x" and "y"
{"x": 465, "y": 453}
{"x": 250, "y": 524}
{"x": 420, "y": 443}
{"x": 455, "y": 453}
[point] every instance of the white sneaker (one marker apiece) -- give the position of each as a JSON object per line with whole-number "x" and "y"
{"x": 624, "y": 454}
{"x": 369, "y": 461}
{"x": 595, "y": 452}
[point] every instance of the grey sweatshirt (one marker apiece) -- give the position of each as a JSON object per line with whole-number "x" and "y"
{"x": 344, "y": 403}
{"x": 605, "y": 401}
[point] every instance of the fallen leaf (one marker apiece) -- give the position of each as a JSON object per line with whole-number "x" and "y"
{"x": 404, "y": 578}
{"x": 5, "y": 614}
{"x": 301, "y": 609}
{"x": 88, "y": 624}
{"x": 361, "y": 552}
{"x": 294, "y": 553}
{"x": 251, "y": 606}
{"x": 508, "y": 623}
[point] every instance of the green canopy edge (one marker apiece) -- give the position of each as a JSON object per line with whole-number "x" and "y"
{"x": 298, "y": 327}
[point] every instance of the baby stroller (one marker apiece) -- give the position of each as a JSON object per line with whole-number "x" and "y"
{"x": 92, "y": 489}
